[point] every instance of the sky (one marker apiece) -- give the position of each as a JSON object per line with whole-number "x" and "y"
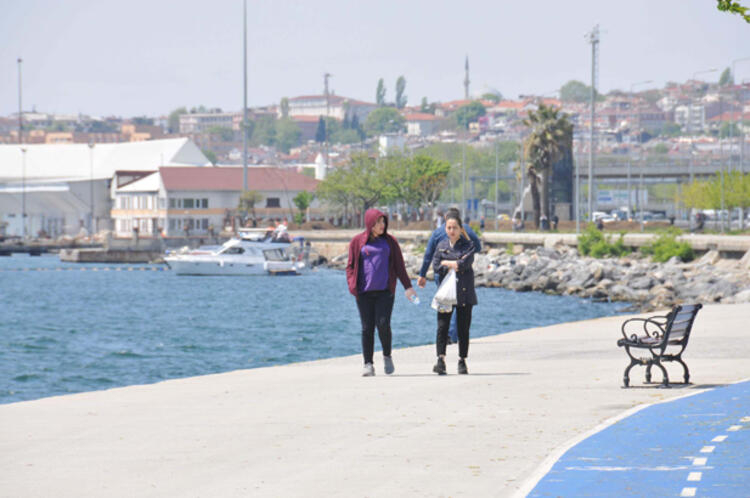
{"x": 148, "y": 57}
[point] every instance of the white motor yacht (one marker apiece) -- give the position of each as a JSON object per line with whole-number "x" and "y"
{"x": 252, "y": 253}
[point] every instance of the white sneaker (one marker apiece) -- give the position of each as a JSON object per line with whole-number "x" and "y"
{"x": 388, "y": 364}
{"x": 368, "y": 370}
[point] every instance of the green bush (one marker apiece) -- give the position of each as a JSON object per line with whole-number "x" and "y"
{"x": 592, "y": 242}
{"x": 666, "y": 245}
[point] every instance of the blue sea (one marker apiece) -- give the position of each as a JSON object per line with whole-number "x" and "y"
{"x": 67, "y": 328}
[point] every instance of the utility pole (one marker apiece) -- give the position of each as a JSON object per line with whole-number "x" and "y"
{"x": 327, "y": 94}
{"x": 593, "y": 38}
{"x": 463, "y": 180}
{"x": 244, "y": 96}
{"x": 497, "y": 167}
{"x": 23, "y": 152}
{"x": 466, "y": 79}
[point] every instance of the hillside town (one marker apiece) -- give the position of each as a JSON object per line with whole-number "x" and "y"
{"x": 68, "y": 173}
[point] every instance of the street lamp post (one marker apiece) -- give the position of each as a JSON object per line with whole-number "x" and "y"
{"x": 689, "y": 129}
{"x": 23, "y": 192}
{"x": 731, "y": 128}
{"x": 497, "y": 166}
{"x": 630, "y": 160}
{"x": 92, "y": 227}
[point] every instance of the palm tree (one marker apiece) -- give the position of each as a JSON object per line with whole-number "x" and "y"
{"x": 551, "y": 133}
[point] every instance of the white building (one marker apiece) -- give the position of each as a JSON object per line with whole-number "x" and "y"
{"x": 62, "y": 187}
{"x": 334, "y": 106}
{"x": 201, "y": 122}
{"x": 175, "y": 200}
{"x": 691, "y": 117}
{"x": 421, "y": 124}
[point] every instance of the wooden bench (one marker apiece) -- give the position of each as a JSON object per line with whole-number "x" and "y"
{"x": 658, "y": 334}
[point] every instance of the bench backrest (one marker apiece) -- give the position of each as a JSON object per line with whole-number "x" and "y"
{"x": 680, "y": 322}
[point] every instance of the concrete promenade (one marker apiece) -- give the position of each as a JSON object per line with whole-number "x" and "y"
{"x": 319, "y": 429}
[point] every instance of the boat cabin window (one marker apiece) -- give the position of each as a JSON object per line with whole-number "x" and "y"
{"x": 275, "y": 255}
{"x": 234, "y": 250}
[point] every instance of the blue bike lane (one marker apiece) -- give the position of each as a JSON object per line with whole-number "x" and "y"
{"x": 697, "y": 445}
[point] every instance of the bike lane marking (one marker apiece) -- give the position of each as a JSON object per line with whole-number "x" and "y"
{"x": 662, "y": 449}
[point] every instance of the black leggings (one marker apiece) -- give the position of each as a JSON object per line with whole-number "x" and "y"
{"x": 463, "y": 321}
{"x": 375, "y": 309}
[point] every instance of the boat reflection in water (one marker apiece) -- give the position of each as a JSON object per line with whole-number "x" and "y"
{"x": 252, "y": 253}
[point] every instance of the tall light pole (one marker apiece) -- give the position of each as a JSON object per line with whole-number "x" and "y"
{"x": 20, "y": 106}
{"x": 23, "y": 192}
{"x": 463, "y": 180}
{"x": 731, "y": 128}
{"x": 497, "y": 166}
{"x": 92, "y": 227}
{"x": 23, "y": 153}
{"x": 244, "y": 96}
{"x": 690, "y": 126}
{"x": 593, "y": 38}
{"x": 638, "y": 131}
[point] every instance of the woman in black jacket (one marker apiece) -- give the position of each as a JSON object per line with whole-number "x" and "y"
{"x": 455, "y": 253}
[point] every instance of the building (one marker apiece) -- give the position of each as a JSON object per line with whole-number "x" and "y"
{"x": 64, "y": 187}
{"x": 202, "y": 122}
{"x": 421, "y": 124}
{"x": 333, "y": 106}
{"x": 189, "y": 200}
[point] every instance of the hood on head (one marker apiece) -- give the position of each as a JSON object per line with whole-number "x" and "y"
{"x": 371, "y": 216}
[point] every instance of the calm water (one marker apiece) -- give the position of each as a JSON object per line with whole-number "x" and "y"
{"x": 64, "y": 330}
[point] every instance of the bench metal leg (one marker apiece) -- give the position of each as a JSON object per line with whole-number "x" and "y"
{"x": 648, "y": 374}
{"x": 665, "y": 379}
{"x": 626, "y": 375}
{"x": 686, "y": 374}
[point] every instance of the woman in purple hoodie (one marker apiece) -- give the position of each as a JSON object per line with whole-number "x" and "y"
{"x": 375, "y": 263}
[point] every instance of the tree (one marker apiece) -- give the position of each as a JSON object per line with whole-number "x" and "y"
{"x": 225, "y": 134}
{"x": 400, "y": 88}
{"x": 287, "y": 134}
{"x": 575, "y": 91}
{"x": 734, "y": 8}
{"x": 248, "y": 200}
{"x": 264, "y": 131}
{"x": 726, "y": 78}
{"x": 302, "y": 200}
{"x": 384, "y": 120}
{"x": 211, "y": 156}
{"x": 469, "y": 113}
{"x": 320, "y": 131}
{"x": 427, "y": 180}
{"x": 174, "y": 119}
{"x": 550, "y": 134}
{"x": 361, "y": 183}
{"x": 284, "y": 107}
{"x": 380, "y": 93}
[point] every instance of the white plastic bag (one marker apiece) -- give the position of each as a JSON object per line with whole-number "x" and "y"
{"x": 445, "y": 297}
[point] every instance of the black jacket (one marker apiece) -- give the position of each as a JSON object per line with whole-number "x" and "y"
{"x": 463, "y": 252}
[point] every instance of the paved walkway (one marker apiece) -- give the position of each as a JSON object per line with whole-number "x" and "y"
{"x": 319, "y": 429}
{"x": 697, "y": 445}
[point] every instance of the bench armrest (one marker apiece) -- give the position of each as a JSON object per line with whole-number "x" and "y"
{"x": 653, "y": 329}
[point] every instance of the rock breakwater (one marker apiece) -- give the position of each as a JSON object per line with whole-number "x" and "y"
{"x": 637, "y": 280}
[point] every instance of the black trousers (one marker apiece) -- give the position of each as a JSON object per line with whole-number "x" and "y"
{"x": 463, "y": 322}
{"x": 375, "y": 309}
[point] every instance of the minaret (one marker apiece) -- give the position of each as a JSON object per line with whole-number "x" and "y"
{"x": 466, "y": 79}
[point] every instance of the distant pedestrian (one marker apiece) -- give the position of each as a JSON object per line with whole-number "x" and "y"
{"x": 456, "y": 252}
{"x": 555, "y": 221}
{"x": 375, "y": 263}
{"x": 436, "y": 237}
{"x": 481, "y": 223}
